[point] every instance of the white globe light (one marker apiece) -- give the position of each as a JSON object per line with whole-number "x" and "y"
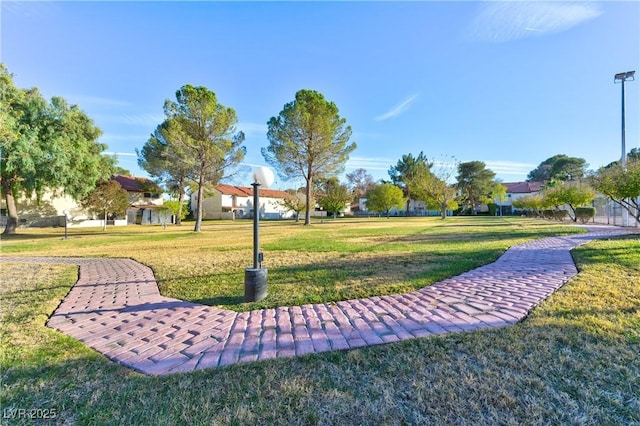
{"x": 264, "y": 176}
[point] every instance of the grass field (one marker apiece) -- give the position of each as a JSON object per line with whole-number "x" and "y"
{"x": 329, "y": 261}
{"x": 573, "y": 361}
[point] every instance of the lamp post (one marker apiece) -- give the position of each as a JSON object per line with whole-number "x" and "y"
{"x": 66, "y": 221}
{"x": 622, "y": 77}
{"x": 255, "y": 279}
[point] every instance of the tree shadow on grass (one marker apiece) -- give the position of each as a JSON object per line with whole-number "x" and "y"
{"x": 331, "y": 280}
{"x": 221, "y": 300}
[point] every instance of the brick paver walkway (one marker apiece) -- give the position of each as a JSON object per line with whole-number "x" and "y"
{"x": 116, "y": 309}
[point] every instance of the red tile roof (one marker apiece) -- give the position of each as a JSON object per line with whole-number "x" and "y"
{"x": 247, "y": 191}
{"x": 522, "y": 187}
{"x": 136, "y": 184}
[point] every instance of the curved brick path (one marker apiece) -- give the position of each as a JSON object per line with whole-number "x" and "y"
{"x": 116, "y": 309}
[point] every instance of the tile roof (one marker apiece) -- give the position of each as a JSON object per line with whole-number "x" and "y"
{"x": 522, "y": 187}
{"x": 247, "y": 191}
{"x": 136, "y": 184}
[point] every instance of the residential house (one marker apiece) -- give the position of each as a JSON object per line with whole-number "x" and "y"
{"x": 144, "y": 196}
{"x": 515, "y": 191}
{"x": 236, "y": 202}
{"x": 145, "y": 199}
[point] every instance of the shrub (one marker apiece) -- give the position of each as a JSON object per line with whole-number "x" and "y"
{"x": 584, "y": 214}
{"x": 547, "y": 214}
{"x": 560, "y": 214}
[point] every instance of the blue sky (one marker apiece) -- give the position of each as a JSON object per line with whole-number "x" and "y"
{"x": 507, "y": 83}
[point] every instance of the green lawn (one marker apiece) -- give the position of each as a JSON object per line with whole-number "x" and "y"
{"x": 329, "y": 261}
{"x": 573, "y": 361}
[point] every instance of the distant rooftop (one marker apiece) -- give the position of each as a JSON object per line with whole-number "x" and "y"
{"x": 522, "y": 187}
{"x": 136, "y": 184}
{"x": 247, "y": 191}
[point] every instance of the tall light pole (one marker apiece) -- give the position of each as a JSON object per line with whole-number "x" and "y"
{"x": 622, "y": 77}
{"x": 255, "y": 279}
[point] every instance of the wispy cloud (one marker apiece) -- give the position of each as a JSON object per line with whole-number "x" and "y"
{"x": 121, "y": 154}
{"x": 29, "y": 9}
{"x": 510, "y": 167}
{"x": 133, "y": 138}
{"x": 505, "y": 21}
{"x": 149, "y": 121}
{"x": 398, "y": 109}
{"x": 143, "y": 119}
{"x": 252, "y": 129}
{"x": 369, "y": 163}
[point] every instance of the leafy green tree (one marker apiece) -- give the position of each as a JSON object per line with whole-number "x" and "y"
{"x": 334, "y": 196}
{"x": 634, "y": 154}
{"x": 498, "y": 193}
{"x": 558, "y": 167}
{"x": 475, "y": 184}
{"x": 164, "y": 157}
{"x": 178, "y": 208}
{"x": 404, "y": 172}
{"x": 108, "y": 198}
{"x": 45, "y": 146}
{"x": 384, "y": 197}
{"x": 572, "y": 195}
{"x": 308, "y": 139}
{"x": 204, "y": 135}
{"x": 430, "y": 185}
{"x": 117, "y": 170}
{"x": 532, "y": 204}
{"x": 620, "y": 185}
{"x": 294, "y": 203}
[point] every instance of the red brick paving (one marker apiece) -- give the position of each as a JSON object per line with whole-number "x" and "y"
{"x": 116, "y": 308}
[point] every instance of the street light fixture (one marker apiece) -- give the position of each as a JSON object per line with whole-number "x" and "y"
{"x": 621, "y": 78}
{"x": 255, "y": 279}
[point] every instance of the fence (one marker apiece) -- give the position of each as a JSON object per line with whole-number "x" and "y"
{"x": 611, "y": 213}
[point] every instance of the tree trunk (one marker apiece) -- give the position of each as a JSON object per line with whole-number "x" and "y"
{"x": 199, "y": 200}
{"x": 180, "y": 199}
{"x": 104, "y": 226}
{"x": 307, "y": 214}
{"x": 12, "y": 211}
{"x": 443, "y": 211}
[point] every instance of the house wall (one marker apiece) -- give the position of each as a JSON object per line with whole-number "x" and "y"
{"x": 49, "y": 211}
{"x": 138, "y": 199}
{"x": 512, "y": 197}
{"x": 212, "y": 207}
{"x": 226, "y": 206}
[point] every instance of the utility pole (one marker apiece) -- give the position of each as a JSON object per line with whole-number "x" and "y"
{"x": 621, "y": 78}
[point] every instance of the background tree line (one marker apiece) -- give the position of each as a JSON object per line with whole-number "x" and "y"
{"x": 49, "y": 145}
